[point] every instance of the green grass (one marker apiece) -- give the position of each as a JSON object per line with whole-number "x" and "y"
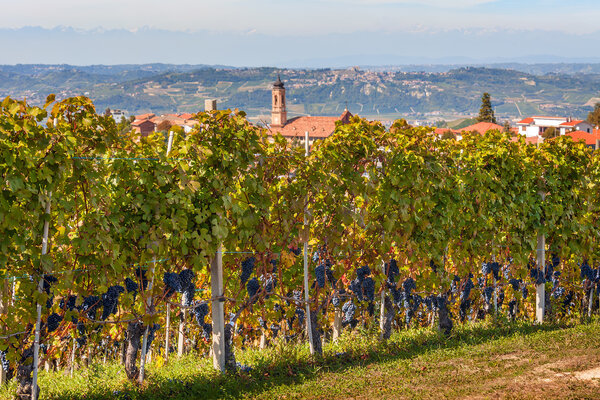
{"x": 480, "y": 360}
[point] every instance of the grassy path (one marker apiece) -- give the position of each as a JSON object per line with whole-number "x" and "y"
{"x": 479, "y": 361}
{"x": 559, "y": 364}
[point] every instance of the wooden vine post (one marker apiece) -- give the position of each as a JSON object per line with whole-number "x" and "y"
{"x": 38, "y": 322}
{"x": 306, "y": 287}
{"x": 218, "y": 310}
{"x": 540, "y": 296}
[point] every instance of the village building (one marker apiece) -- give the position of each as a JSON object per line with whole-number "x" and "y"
{"x": 143, "y": 126}
{"x": 537, "y": 125}
{"x": 296, "y": 128}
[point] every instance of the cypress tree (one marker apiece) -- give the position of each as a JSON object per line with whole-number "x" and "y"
{"x": 486, "y": 112}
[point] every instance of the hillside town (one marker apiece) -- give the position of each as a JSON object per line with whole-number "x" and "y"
{"x": 533, "y": 129}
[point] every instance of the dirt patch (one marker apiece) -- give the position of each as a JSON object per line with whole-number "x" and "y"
{"x": 588, "y": 375}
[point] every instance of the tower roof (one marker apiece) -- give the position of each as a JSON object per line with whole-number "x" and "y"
{"x": 278, "y": 84}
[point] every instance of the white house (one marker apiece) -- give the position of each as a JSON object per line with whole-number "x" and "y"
{"x": 536, "y": 126}
{"x": 118, "y": 115}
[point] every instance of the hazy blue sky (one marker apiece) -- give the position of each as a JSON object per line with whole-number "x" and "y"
{"x": 304, "y": 16}
{"x": 298, "y": 32}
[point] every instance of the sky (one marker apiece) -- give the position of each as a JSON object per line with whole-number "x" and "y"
{"x": 303, "y": 17}
{"x": 315, "y": 24}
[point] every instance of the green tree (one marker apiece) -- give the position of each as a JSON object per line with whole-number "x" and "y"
{"x": 448, "y": 135}
{"x": 594, "y": 116}
{"x": 486, "y": 112}
{"x": 550, "y": 133}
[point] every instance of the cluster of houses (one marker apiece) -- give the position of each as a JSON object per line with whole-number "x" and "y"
{"x": 532, "y": 128}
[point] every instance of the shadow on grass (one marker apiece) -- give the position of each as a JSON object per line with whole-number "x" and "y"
{"x": 279, "y": 368}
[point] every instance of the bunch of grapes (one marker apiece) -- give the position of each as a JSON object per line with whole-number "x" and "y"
{"x": 349, "y": 310}
{"x": 586, "y": 271}
{"x": 368, "y": 287}
{"x": 270, "y": 283}
{"x": 110, "y": 301}
{"x": 54, "y": 321}
{"x": 4, "y": 361}
{"x": 356, "y": 288}
{"x": 131, "y": 286}
{"x": 495, "y": 268}
{"x": 200, "y": 312}
{"x": 515, "y": 283}
{"x": 486, "y": 269}
{"x": 320, "y": 275}
{"x": 151, "y": 333}
{"x": 409, "y": 285}
{"x": 172, "y": 283}
{"x": 487, "y": 294}
{"x": 188, "y": 288}
{"x": 335, "y": 300}
{"x": 90, "y": 305}
{"x": 454, "y": 285}
{"x": 524, "y": 291}
{"x": 253, "y": 287}
{"x": 300, "y": 314}
{"x": 329, "y": 273}
{"x": 538, "y": 275}
{"x": 391, "y": 270}
{"x": 512, "y": 309}
{"x": 206, "y": 331}
{"x": 247, "y": 269}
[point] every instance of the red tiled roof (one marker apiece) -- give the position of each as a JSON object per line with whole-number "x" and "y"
{"x": 482, "y": 127}
{"x": 526, "y": 121}
{"x": 145, "y": 116}
{"x": 138, "y": 122}
{"x": 317, "y": 127}
{"x": 528, "y": 140}
{"x": 571, "y": 123}
{"x": 186, "y": 116}
{"x": 589, "y": 138}
{"x": 441, "y": 131}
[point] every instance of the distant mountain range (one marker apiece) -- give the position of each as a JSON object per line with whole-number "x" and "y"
{"x": 415, "y": 92}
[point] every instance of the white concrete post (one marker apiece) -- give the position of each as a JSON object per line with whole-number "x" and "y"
{"x": 38, "y": 322}
{"x": 540, "y": 296}
{"x": 306, "y": 287}
{"x": 382, "y": 308}
{"x": 218, "y": 311}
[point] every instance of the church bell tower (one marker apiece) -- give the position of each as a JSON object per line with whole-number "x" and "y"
{"x": 278, "y": 111}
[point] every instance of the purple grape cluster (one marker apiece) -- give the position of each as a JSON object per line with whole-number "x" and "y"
{"x": 200, "y": 312}
{"x": 90, "y": 305}
{"x": 247, "y": 269}
{"x": 131, "y": 286}
{"x": 172, "y": 283}
{"x": 253, "y": 286}
{"x": 151, "y": 334}
{"x": 54, "y": 321}
{"x": 349, "y": 310}
{"x": 368, "y": 288}
{"x": 4, "y": 361}
{"x": 320, "y": 275}
{"x": 110, "y": 301}
{"x": 392, "y": 270}
{"x": 188, "y": 288}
